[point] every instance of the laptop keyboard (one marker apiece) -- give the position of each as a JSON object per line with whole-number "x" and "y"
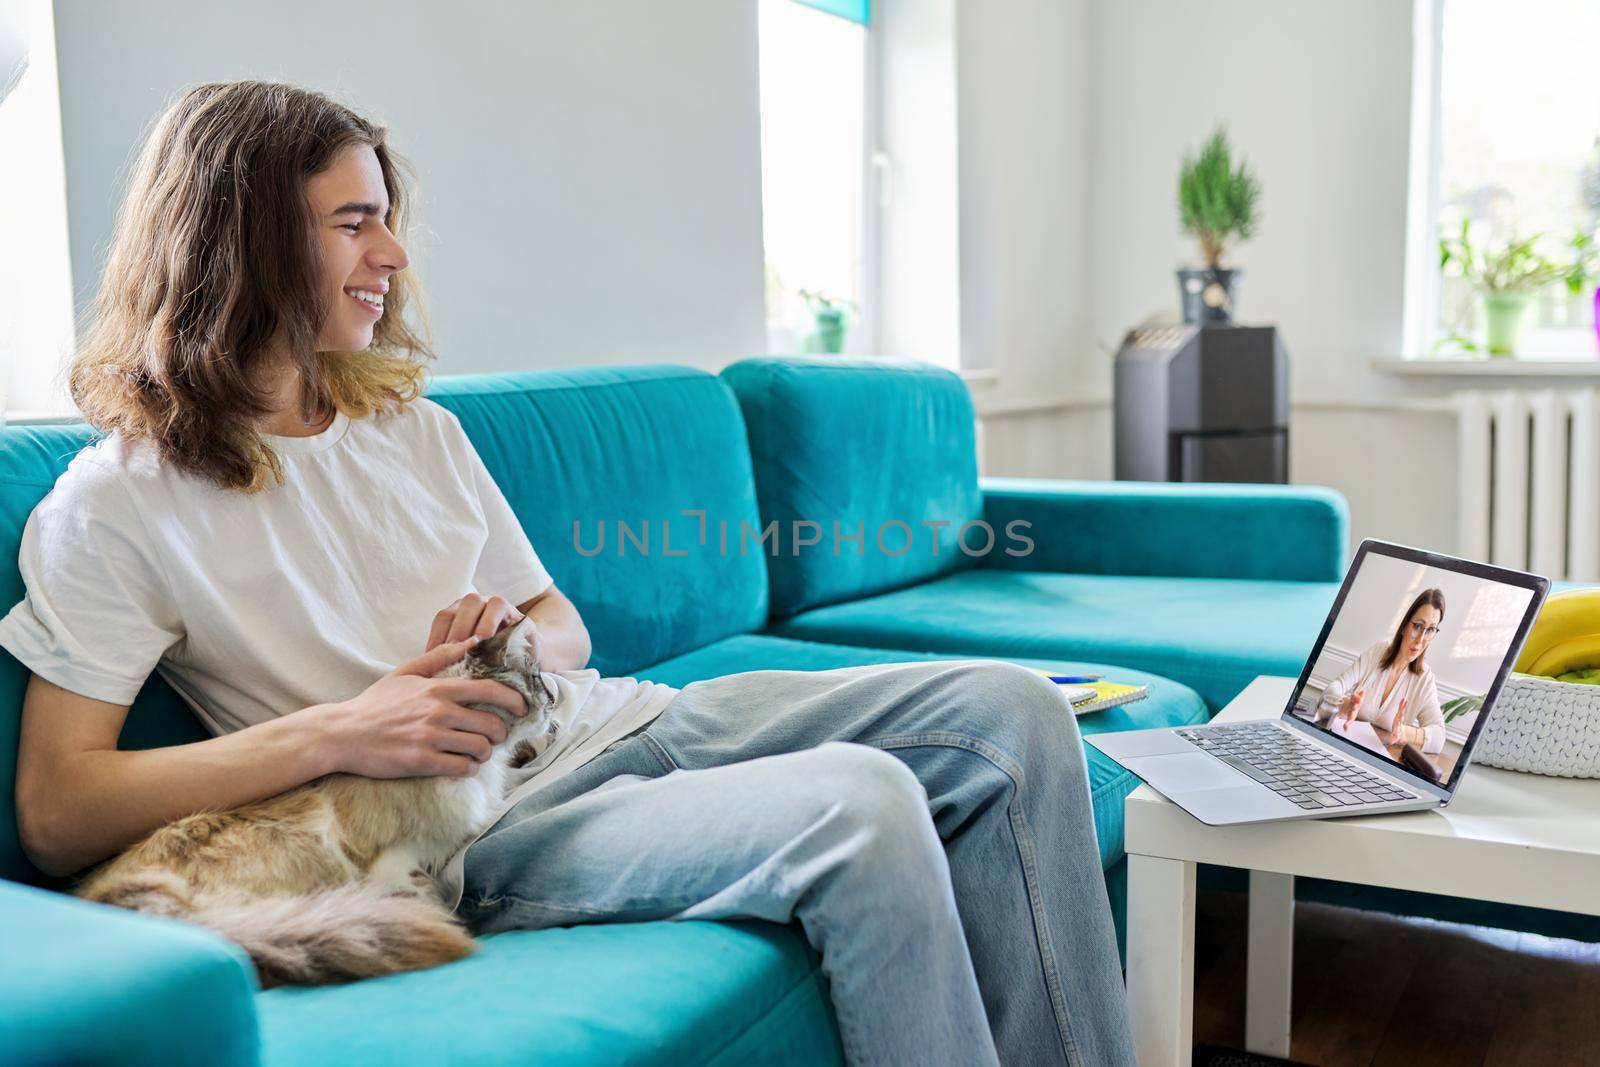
{"x": 1294, "y": 769}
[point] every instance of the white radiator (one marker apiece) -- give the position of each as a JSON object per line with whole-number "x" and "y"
{"x": 1529, "y": 469}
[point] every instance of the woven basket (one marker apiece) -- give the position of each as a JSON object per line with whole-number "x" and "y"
{"x": 1543, "y": 726}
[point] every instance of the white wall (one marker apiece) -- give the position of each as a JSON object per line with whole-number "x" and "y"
{"x": 1023, "y": 79}
{"x": 915, "y": 277}
{"x": 1023, "y": 120}
{"x": 590, "y": 173}
{"x": 1318, "y": 97}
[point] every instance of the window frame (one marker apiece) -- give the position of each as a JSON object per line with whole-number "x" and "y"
{"x": 1420, "y": 313}
{"x": 1420, "y": 329}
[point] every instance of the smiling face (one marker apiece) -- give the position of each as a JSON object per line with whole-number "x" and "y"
{"x": 349, "y": 205}
{"x": 1412, "y": 643}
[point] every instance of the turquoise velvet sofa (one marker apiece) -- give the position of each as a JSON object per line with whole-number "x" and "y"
{"x": 721, "y": 482}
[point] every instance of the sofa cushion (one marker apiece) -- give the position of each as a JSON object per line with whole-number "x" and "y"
{"x": 664, "y": 993}
{"x": 1293, "y": 533}
{"x": 852, "y": 444}
{"x": 580, "y": 453}
{"x": 1211, "y": 634}
{"x": 1169, "y": 703}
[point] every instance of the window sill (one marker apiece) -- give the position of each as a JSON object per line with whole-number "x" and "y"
{"x": 1490, "y": 368}
{"x": 27, "y": 417}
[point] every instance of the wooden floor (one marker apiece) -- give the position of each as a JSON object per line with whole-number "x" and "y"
{"x": 1375, "y": 989}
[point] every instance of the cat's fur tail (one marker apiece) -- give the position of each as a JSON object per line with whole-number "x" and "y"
{"x": 336, "y": 935}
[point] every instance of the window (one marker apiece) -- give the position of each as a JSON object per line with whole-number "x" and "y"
{"x": 1512, "y": 149}
{"x": 813, "y": 114}
{"x": 36, "y": 311}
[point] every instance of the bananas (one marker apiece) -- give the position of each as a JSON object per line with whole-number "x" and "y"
{"x": 1566, "y": 635}
{"x": 1573, "y": 654}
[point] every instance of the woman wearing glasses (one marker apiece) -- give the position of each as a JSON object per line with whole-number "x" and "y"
{"x": 1391, "y": 685}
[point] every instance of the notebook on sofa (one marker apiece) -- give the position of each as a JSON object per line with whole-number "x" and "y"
{"x": 1089, "y": 697}
{"x": 1109, "y": 695}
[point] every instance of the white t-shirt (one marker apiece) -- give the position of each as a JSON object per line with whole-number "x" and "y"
{"x": 256, "y": 605}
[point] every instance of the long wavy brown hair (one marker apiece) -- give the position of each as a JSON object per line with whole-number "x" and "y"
{"x": 1433, "y": 598}
{"x": 214, "y": 260}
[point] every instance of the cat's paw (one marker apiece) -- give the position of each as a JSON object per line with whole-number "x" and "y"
{"x": 531, "y": 748}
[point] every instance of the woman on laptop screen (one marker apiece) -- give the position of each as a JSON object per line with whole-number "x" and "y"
{"x": 1410, "y": 657}
{"x": 1391, "y": 685}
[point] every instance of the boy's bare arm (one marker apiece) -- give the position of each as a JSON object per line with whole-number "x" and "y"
{"x": 563, "y": 638}
{"x": 81, "y": 799}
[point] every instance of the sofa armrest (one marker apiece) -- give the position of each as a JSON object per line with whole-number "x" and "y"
{"x": 87, "y": 983}
{"x": 1193, "y": 530}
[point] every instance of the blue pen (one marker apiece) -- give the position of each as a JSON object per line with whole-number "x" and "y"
{"x": 1074, "y": 679}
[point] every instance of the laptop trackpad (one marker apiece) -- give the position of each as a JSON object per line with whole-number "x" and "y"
{"x": 1188, "y": 771}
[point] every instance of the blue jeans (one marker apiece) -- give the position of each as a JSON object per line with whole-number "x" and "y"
{"x": 941, "y": 860}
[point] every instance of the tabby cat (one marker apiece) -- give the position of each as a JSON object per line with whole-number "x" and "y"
{"x": 332, "y": 881}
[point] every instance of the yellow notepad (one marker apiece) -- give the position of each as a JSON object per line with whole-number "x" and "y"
{"x": 1109, "y": 695}
{"x": 1106, "y": 694}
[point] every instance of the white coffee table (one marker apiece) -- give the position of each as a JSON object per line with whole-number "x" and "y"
{"x": 1507, "y": 837}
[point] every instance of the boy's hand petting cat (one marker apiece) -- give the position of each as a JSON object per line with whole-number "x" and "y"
{"x": 472, "y": 615}
{"x": 409, "y": 724}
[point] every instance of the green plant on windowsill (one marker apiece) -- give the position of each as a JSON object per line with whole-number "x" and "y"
{"x": 1583, "y": 266}
{"x": 1506, "y": 277}
{"x": 1581, "y": 275}
{"x": 832, "y": 316}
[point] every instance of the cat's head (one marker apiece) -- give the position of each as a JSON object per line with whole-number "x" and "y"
{"x": 508, "y": 658}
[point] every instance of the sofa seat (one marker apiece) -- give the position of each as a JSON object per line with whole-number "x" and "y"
{"x": 1213, "y": 635}
{"x": 667, "y": 993}
{"x": 1169, "y": 703}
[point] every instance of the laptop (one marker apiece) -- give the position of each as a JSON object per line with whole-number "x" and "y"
{"x": 1437, "y": 633}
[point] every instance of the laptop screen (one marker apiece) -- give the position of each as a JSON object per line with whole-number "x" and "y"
{"x": 1413, "y": 654}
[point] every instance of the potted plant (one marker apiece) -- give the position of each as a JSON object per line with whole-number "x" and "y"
{"x": 1216, "y": 204}
{"x": 1454, "y": 709}
{"x": 1581, "y": 273}
{"x": 832, "y": 316}
{"x": 1506, "y": 278}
